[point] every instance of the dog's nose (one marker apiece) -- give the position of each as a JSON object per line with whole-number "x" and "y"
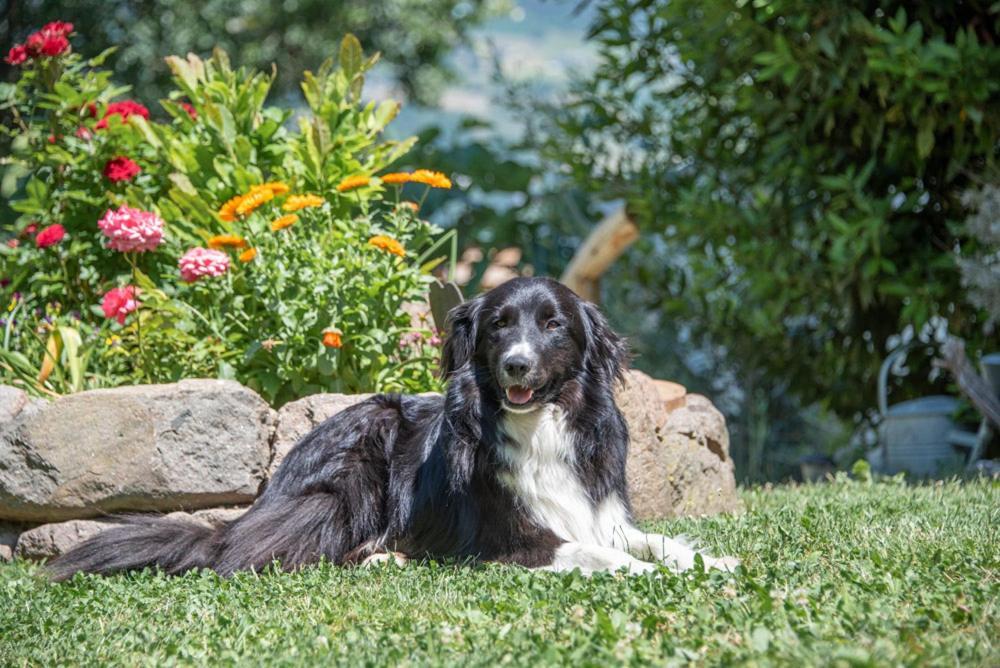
{"x": 517, "y": 366}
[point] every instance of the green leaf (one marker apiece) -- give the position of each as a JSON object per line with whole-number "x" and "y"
{"x": 925, "y": 137}
{"x": 350, "y": 55}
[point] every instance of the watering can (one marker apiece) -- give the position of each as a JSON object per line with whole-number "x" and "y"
{"x": 914, "y": 434}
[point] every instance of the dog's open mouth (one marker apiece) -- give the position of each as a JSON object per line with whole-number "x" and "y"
{"x": 519, "y": 395}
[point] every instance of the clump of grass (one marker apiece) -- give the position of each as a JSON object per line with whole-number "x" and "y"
{"x": 847, "y": 573}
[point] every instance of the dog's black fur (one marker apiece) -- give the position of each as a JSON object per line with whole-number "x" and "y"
{"x": 415, "y": 474}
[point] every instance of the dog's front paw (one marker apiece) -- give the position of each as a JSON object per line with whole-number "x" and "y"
{"x": 380, "y": 558}
{"x": 727, "y": 564}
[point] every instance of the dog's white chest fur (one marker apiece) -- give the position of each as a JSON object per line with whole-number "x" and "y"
{"x": 544, "y": 479}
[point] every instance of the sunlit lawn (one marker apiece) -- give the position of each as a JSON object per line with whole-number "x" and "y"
{"x": 846, "y": 573}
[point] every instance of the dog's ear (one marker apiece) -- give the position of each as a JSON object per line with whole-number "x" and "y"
{"x": 607, "y": 353}
{"x": 460, "y": 341}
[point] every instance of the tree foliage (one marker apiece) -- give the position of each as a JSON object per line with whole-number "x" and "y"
{"x": 798, "y": 169}
{"x": 414, "y": 36}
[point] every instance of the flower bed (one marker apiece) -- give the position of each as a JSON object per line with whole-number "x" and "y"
{"x": 216, "y": 236}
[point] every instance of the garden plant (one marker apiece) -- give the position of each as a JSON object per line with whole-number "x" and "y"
{"x": 215, "y": 236}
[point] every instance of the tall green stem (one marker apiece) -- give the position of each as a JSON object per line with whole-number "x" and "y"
{"x": 138, "y": 314}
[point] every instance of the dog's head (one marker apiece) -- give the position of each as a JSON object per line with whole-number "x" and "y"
{"x": 527, "y": 339}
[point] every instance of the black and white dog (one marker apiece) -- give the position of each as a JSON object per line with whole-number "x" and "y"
{"x": 522, "y": 461}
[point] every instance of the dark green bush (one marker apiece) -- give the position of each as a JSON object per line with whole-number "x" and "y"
{"x": 798, "y": 170}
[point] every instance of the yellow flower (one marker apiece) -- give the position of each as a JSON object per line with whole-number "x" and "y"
{"x": 228, "y": 210}
{"x": 113, "y": 340}
{"x": 298, "y": 202}
{"x": 283, "y": 222}
{"x": 352, "y": 182}
{"x": 227, "y": 241}
{"x": 248, "y": 255}
{"x": 388, "y": 244}
{"x": 433, "y": 179}
{"x": 396, "y": 178}
{"x": 331, "y": 338}
{"x": 253, "y": 199}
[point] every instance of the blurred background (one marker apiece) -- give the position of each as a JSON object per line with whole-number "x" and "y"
{"x": 814, "y": 185}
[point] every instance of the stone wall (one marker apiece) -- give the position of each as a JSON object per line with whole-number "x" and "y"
{"x": 206, "y": 448}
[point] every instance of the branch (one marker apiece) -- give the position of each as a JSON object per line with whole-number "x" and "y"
{"x": 602, "y": 247}
{"x": 973, "y": 386}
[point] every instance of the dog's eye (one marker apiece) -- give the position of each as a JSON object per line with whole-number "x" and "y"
{"x": 500, "y": 323}
{"x": 553, "y": 324}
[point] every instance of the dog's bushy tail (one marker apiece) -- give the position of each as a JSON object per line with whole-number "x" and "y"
{"x": 139, "y": 542}
{"x": 295, "y": 532}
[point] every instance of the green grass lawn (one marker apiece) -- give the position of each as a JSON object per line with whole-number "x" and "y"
{"x": 847, "y": 573}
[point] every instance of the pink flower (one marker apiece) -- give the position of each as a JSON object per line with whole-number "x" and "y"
{"x": 121, "y": 169}
{"x": 122, "y": 109}
{"x": 202, "y": 262}
{"x": 131, "y": 230}
{"x": 50, "y": 236}
{"x": 17, "y": 55}
{"x": 83, "y": 133}
{"x": 119, "y": 302}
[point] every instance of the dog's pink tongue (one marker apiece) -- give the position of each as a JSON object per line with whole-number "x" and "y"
{"x": 519, "y": 395}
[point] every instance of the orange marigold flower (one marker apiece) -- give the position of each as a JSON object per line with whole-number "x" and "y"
{"x": 331, "y": 338}
{"x": 388, "y": 244}
{"x": 298, "y": 202}
{"x": 407, "y": 204}
{"x": 433, "y": 179}
{"x": 352, "y": 182}
{"x": 276, "y": 187}
{"x": 227, "y": 211}
{"x": 254, "y": 199}
{"x": 227, "y": 241}
{"x": 248, "y": 255}
{"x": 396, "y": 178}
{"x": 285, "y": 221}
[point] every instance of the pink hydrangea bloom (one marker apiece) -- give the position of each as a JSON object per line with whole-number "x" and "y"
{"x": 119, "y": 302}
{"x": 202, "y": 262}
{"x": 131, "y": 230}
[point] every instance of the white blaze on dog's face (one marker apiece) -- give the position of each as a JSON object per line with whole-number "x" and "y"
{"x": 531, "y": 340}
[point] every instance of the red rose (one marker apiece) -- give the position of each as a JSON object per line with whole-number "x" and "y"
{"x": 46, "y": 44}
{"x": 17, "y": 55}
{"x": 31, "y": 229}
{"x": 61, "y": 28}
{"x": 124, "y": 109}
{"x": 121, "y": 169}
{"x": 189, "y": 108}
{"x": 55, "y": 45}
{"x": 50, "y": 236}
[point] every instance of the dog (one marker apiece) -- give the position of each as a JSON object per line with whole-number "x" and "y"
{"x": 521, "y": 461}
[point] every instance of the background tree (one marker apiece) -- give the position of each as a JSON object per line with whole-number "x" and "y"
{"x": 798, "y": 172}
{"x": 414, "y": 36}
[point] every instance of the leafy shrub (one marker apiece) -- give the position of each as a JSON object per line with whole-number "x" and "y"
{"x": 798, "y": 169}
{"x": 221, "y": 242}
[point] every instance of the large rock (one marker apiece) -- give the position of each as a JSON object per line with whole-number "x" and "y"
{"x": 51, "y": 540}
{"x": 678, "y": 460}
{"x": 12, "y": 401}
{"x": 193, "y": 444}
